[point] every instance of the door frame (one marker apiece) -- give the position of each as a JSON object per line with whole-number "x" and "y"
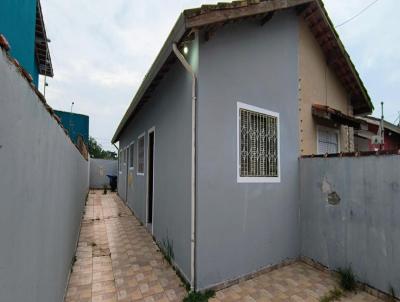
{"x": 151, "y": 130}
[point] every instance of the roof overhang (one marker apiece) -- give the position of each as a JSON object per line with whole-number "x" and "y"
{"x": 211, "y": 17}
{"x": 376, "y": 121}
{"x": 334, "y": 116}
{"x": 42, "y": 51}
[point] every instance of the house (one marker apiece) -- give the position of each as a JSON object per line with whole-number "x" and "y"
{"x": 370, "y": 128}
{"x": 76, "y": 125}
{"x": 23, "y": 26}
{"x": 209, "y": 146}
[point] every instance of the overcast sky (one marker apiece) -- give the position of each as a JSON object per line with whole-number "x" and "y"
{"x": 102, "y": 49}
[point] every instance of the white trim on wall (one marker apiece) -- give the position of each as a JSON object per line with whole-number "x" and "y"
{"x": 129, "y": 156}
{"x": 144, "y": 154}
{"x": 241, "y": 179}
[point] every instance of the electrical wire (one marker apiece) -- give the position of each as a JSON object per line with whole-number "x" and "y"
{"x": 356, "y": 15}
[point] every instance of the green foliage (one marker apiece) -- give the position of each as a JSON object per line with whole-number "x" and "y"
{"x": 392, "y": 294}
{"x": 97, "y": 151}
{"x": 347, "y": 279}
{"x": 168, "y": 250}
{"x": 333, "y": 295}
{"x": 199, "y": 297}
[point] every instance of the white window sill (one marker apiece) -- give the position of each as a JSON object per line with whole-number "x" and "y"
{"x": 258, "y": 179}
{"x": 140, "y": 174}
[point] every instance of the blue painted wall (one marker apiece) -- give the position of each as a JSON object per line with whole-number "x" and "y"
{"x": 17, "y": 24}
{"x": 76, "y": 124}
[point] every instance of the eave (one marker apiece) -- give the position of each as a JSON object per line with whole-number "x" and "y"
{"x": 42, "y": 51}
{"x": 211, "y": 17}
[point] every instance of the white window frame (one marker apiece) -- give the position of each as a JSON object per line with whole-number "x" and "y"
{"x": 337, "y": 131}
{"x": 241, "y": 179}
{"x": 144, "y": 154}
{"x": 129, "y": 156}
{"x": 120, "y": 160}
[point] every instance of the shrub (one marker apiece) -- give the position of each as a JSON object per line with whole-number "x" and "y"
{"x": 347, "y": 280}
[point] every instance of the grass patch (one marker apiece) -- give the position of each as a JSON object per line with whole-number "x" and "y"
{"x": 392, "y": 294}
{"x": 347, "y": 279}
{"x": 199, "y": 297}
{"x": 168, "y": 250}
{"x": 333, "y": 295}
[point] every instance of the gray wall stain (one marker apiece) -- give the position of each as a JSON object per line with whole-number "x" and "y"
{"x": 43, "y": 187}
{"x": 363, "y": 230}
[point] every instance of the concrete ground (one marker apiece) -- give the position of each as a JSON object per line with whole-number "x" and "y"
{"x": 117, "y": 260}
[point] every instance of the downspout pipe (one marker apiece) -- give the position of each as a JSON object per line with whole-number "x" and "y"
{"x": 189, "y": 69}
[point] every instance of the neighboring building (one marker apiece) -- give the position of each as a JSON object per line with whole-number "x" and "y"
{"x": 21, "y": 22}
{"x": 370, "y": 128}
{"x": 211, "y": 165}
{"x": 76, "y": 125}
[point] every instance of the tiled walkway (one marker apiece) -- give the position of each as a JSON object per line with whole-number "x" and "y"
{"x": 297, "y": 282}
{"x": 117, "y": 259}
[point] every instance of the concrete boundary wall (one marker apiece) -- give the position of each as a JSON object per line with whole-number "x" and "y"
{"x": 350, "y": 209}
{"x": 99, "y": 169}
{"x": 43, "y": 183}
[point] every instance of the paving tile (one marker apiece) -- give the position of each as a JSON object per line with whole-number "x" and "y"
{"x": 117, "y": 259}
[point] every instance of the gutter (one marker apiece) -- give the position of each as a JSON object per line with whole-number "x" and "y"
{"x": 189, "y": 68}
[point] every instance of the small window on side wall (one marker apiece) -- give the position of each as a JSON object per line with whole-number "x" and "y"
{"x": 131, "y": 155}
{"x": 140, "y": 167}
{"x": 327, "y": 140}
{"x": 258, "y": 145}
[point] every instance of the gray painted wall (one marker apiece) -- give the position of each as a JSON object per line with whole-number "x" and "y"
{"x": 169, "y": 111}
{"x": 99, "y": 169}
{"x": 44, "y": 181}
{"x": 241, "y": 227}
{"x": 363, "y": 229}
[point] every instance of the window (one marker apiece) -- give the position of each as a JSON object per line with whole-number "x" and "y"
{"x": 328, "y": 140}
{"x": 125, "y": 156}
{"x": 131, "y": 156}
{"x": 258, "y": 145}
{"x": 140, "y": 163}
{"x": 120, "y": 161}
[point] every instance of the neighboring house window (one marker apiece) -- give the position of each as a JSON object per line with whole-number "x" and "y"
{"x": 131, "y": 155}
{"x": 328, "y": 140}
{"x": 140, "y": 163}
{"x": 258, "y": 145}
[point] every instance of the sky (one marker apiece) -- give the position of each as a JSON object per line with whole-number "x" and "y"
{"x": 102, "y": 49}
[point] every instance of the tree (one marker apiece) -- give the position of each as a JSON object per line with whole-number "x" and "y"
{"x": 97, "y": 151}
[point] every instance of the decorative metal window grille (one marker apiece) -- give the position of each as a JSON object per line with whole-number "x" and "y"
{"x": 258, "y": 144}
{"x": 141, "y": 155}
{"x": 131, "y": 155}
{"x": 328, "y": 141}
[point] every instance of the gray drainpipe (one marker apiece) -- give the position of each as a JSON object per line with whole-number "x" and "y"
{"x": 189, "y": 68}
